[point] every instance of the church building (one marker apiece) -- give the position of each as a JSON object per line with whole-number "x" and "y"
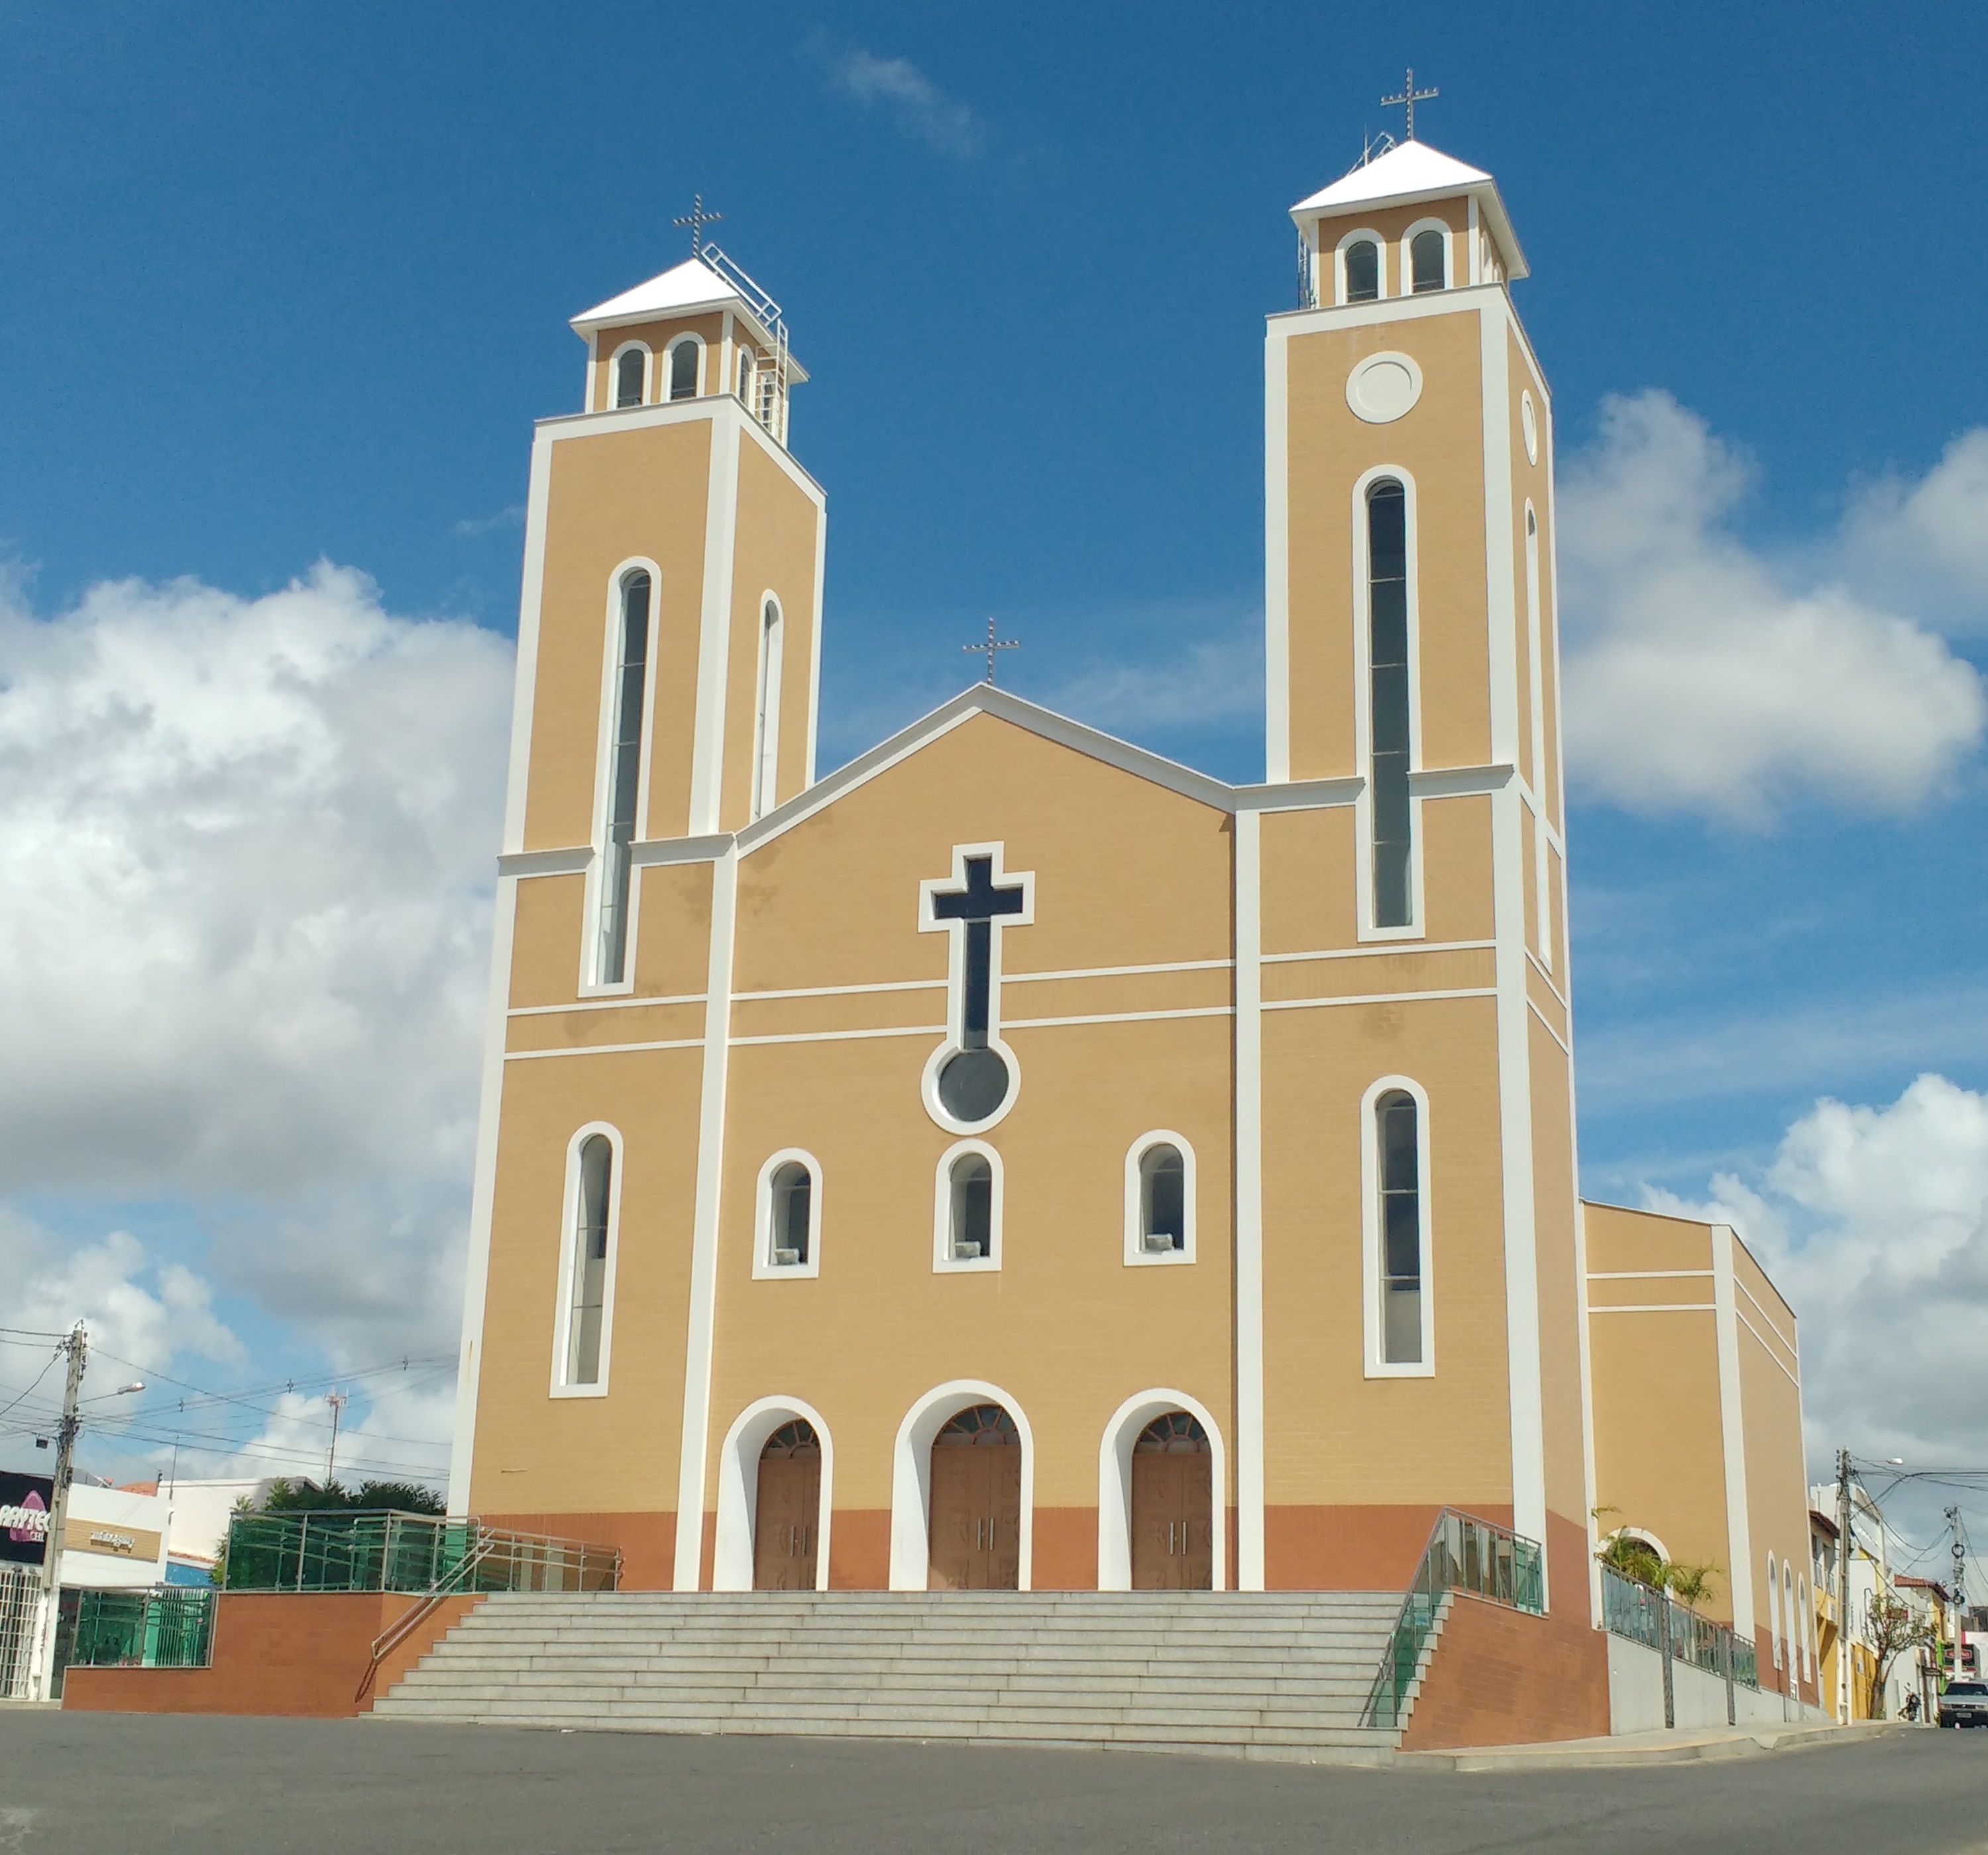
{"x": 1014, "y": 1160}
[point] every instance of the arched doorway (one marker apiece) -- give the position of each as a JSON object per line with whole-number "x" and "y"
{"x": 976, "y": 1525}
{"x": 1173, "y": 1506}
{"x": 786, "y": 1535}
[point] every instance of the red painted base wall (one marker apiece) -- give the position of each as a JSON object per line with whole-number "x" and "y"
{"x": 276, "y": 1652}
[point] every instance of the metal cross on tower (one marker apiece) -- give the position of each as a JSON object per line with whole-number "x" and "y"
{"x": 696, "y": 219}
{"x": 1410, "y": 96}
{"x": 992, "y": 645}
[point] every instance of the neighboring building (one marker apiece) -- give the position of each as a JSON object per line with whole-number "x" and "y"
{"x": 1015, "y": 1160}
{"x": 1932, "y": 1607}
{"x": 114, "y": 1539}
{"x": 1872, "y": 1579}
{"x": 1696, "y": 1373}
{"x": 201, "y": 1509}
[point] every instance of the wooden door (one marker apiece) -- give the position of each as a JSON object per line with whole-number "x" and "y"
{"x": 784, "y": 1527}
{"x": 976, "y": 1517}
{"x": 1173, "y": 1530}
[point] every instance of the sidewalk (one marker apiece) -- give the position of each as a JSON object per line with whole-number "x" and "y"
{"x": 1683, "y": 1748}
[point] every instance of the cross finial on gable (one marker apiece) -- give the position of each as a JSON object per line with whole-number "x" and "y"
{"x": 992, "y": 645}
{"x": 1410, "y": 97}
{"x": 696, "y": 219}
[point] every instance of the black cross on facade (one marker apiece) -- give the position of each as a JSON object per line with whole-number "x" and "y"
{"x": 696, "y": 219}
{"x": 974, "y": 1082}
{"x": 1410, "y": 96}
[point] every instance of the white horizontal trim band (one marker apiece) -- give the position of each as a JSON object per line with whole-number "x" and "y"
{"x": 1364, "y": 953}
{"x": 1194, "y": 1011}
{"x": 1647, "y": 1274}
{"x": 1380, "y": 998}
{"x": 600, "y": 1004}
{"x": 1656, "y": 1307}
{"x": 604, "y": 1049}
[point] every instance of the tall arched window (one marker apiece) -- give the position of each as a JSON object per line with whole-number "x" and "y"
{"x": 1363, "y": 270}
{"x": 745, "y": 380}
{"x": 624, "y": 772}
{"x": 587, "y": 1291}
{"x": 766, "y": 720}
{"x": 1536, "y": 698}
{"x": 1398, "y": 1149}
{"x": 1388, "y": 670}
{"x": 1774, "y": 1610}
{"x": 1427, "y": 250}
{"x": 628, "y": 372}
{"x": 791, "y": 1199}
{"x": 683, "y": 368}
{"x": 971, "y": 1223}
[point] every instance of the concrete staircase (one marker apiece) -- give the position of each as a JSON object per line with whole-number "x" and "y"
{"x": 1269, "y": 1675}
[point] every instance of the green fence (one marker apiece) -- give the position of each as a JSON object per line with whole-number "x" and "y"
{"x": 1632, "y": 1609}
{"x": 1464, "y": 1553}
{"x": 340, "y": 1550}
{"x": 165, "y": 1628}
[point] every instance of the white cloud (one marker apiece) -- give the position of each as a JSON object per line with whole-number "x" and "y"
{"x": 246, "y": 850}
{"x": 919, "y": 107}
{"x": 1874, "y": 1224}
{"x": 1930, "y": 538}
{"x": 1700, "y": 679}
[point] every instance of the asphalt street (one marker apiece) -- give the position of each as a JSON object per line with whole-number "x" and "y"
{"x": 108, "y": 1783}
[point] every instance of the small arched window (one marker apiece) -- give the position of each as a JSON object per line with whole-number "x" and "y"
{"x": 745, "y": 380}
{"x": 1427, "y": 253}
{"x": 587, "y": 1291}
{"x": 1162, "y": 1200}
{"x": 1397, "y": 1144}
{"x": 683, "y": 368}
{"x": 1363, "y": 270}
{"x": 628, "y": 372}
{"x": 790, "y": 1211}
{"x": 971, "y": 1224}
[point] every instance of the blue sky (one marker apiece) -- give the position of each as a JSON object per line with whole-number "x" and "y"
{"x": 288, "y": 285}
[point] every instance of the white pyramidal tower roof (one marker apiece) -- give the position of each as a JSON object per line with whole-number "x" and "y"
{"x": 692, "y": 284}
{"x": 1406, "y": 175}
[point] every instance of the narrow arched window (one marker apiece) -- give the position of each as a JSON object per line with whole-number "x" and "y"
{"x": 1426, "y": 252}
{"x": 624, "y": 772}
{"x": 1398, "y": 1143}
{"x": 628, "y": 377}
{"x": 1387, "y": 666}
{"x": 972, "y": 1222}
{"x": 588, "y": 1293}
{"x": 1363, "y": 270}
{"x": 1162, "y": 1200}
{"x": 683, "y": 370}
{"x": 766, "y": 720}
{"x": 1774, "y": 1610}
{"x": 744, "y": 381}
{"x": 790, "y": 1208}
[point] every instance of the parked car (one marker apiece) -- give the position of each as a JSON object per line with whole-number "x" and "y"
{"x": 1964, "y": 1704}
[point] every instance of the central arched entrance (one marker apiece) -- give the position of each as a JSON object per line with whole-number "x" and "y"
{"x": 976, "y": 1525}
{"x": 785, "y": 1537}
{"x": 1173, "y": 1506}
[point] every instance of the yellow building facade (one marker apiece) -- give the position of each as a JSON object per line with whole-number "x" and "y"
{"x": 1014, "y": 1159}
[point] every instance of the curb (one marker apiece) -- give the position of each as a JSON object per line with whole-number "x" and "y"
{"x": 1591, "y": 1755}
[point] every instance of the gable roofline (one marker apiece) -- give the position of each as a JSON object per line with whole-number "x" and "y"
{"x": 981, "y": 698}
{"x": 1412, "y": 174}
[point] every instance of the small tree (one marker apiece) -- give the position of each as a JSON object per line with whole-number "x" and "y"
{"x": 1893, "y": 1627}
{"x": 1689, "y": 1584}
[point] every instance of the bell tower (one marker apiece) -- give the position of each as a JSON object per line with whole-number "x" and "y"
{"x": 1412, "y": 861}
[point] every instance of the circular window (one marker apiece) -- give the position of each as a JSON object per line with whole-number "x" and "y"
{"x": 1529, "y": 424}
{"x": 973, "y": 1085}
{"x": 1383, "y": 387}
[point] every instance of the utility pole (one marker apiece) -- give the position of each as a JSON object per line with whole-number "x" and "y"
{"x": 337, "y": 1401}
{"x": 1843, "y": 1522}
{"x": 77, "y": 1346}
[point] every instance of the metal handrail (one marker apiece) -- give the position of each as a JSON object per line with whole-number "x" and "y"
{"x": 391, "y": 1639}
{"x": 1464, "y": 1553}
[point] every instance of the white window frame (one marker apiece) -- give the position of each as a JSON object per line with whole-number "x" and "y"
{"x": 1363, "y": 706}
{"x": 1137, "y": 1255}
{"x": 944, "y": 1261}
{"x": 1409, "y": 255}
{"x": 669, "y": 361}
{"x": 1542, "y": 884}
{"x": 569, "y": 1244}
{"x": 591, "y": 984}
{"x": 1379, "y": 244}
{"x": 1371, "y": 1271}
{"x": 614, "y": 375}
{"x": 771, "y": 670}
{"x": 1773, "y": 1611}
{"x": 764, "y": 1268}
